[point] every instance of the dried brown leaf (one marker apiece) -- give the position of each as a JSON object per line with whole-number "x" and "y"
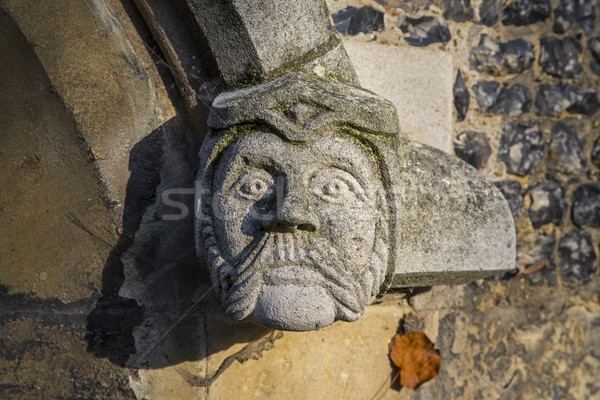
{"x": 416, "y": 357}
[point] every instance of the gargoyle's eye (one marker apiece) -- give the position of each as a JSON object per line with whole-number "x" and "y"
{"x": 336, "y": 185}
{"x": 255, "y": 187}
{"x": 335, "y": 188}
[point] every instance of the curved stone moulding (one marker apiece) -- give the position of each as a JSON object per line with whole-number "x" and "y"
{"x": 310, "y": 204}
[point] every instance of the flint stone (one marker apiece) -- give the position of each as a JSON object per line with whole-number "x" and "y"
{"x": 585, "y": 102}
{"x": 513, "y": 193}
{"x": 425, "y": 30}
{"x": 596, "y": 153}
{"x": 594, "y": 46}
{"x": 521, "y": 147}
{"x": 461, "y": 97}
{"x": 489, "y": 10}
{"x": 390, "y": 211}
{"x": 566, "y": 150}
{"x": 352, "y": 20}
{"x": 512, "y": 100}
{"x": 586, "y": 205}
{"x": 558, "y": 57}
{"x": 525, "y": 12}
{"x": 486, "y": 93}
{"x": 534, "y": 247}
{"x": 501, "y": 58}
{"x": 553, "y": 100}
{"x": 473, "y": 147}
{"x": 548, "y": 203}
{"x": 458, "y": 10}
{"x": 569, "y": 12}
{"x": 578, "y": 260}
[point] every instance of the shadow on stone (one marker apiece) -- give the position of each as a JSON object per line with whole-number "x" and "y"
{"x": 111, "y": 323}
{"x": 157, "y": 307}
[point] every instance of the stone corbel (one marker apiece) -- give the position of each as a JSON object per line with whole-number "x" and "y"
{"x": 311, "y": 203}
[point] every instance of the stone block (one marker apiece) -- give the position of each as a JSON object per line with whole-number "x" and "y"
{"x": 419, "y": 83}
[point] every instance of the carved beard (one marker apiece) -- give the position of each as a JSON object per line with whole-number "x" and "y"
{"x": 265, "y": 259}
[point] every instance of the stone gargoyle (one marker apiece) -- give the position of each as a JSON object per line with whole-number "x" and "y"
{"x": 310, "y": 204}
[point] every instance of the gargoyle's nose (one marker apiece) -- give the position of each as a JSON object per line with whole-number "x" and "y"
{"x": 293, "y": 211}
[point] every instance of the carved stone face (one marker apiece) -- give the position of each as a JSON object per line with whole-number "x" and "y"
{"x": 299, "y": 229}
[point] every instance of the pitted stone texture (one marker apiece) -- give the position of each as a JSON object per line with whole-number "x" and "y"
{"x": 548, "y": 203}
{"x": 473, "y": 147}
{"x": 559, "y": 57}
{"x": 578, "y": 260}
{"x": 395, "y": 73}
{"x": 586, "y": 205}
{"x": 521, "y": 147}
{"x": 566, "y": 150}
{"x": 500, "y": 58}
{"x": 311, "y": 205}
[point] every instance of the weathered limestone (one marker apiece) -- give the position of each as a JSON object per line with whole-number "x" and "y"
{"x": 255, "y": 42}
{"x": 417, "y": 80}
{"x": 310, "y": 203}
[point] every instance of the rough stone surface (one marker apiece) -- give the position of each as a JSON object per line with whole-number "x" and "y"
{"x": 458, "y": 10}
{"x": 352, "y": 20}
{"x": 425, "y": 30}
{"x": 566, "y": 152}
{"x": 553, "y": 100}
{"x": 521, "y": 147}
{"x": 280, "y": 263}
{"x": 241, "y": 37}
{"x": 578, "y": 260}
{"x": 534, "y": 248}
{"x": 585, "y": 101}
{"x": 497, "y": 58}
{"x": 425, "y": 118}
{"x": 579, "y": 12}
{"x": 586, "y": 205}
{"x": 525, "y": 12}
{"x": 461, "y": 97}
{"x": 559, "y": 57}
{"x": 512, "y": 100}
{"x": 596, "y": 153}
{"x": 594, "y": 47}
{"x": 473, "y": 147}
{"x": 81, "y": 56}
{"x": 489, "y": 10}
{"x": 513, "y": 193}
{"x": 486, "y": 93}
{"x": 548, "y": 203}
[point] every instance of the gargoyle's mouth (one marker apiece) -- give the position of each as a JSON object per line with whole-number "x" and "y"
{"x": 292, "y": 275}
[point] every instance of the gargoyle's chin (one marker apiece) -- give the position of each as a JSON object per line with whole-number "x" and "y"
{"x": 295, "y": 307}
